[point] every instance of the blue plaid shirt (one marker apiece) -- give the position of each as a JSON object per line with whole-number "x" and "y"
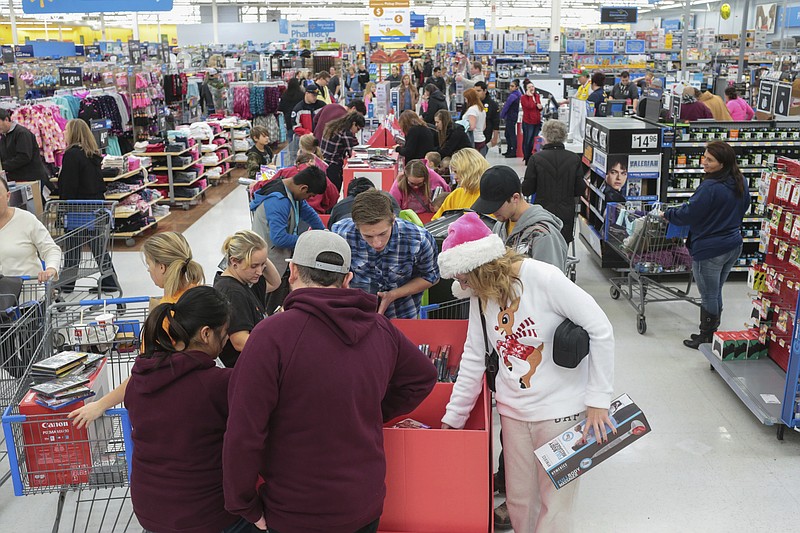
{"x": 410, "y": 253}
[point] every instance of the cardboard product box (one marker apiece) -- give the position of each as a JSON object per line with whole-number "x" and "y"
{"x": 755, "y": 348}
{"x": 54, "y": 451}
{"x": 730, "y": 345}
{"x": 568, "y": 456}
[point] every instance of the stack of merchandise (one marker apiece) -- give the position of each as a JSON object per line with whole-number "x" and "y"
{"x": 113, "y": 165}
{"x": 61, "y": 380}
{"x": 440, "y": 357}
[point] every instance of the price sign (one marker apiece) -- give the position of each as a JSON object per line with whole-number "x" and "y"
{"x": 70, "y": 76}
{"x": 164, "y": 49}
{"x": 642, "y": 141}
{"x": 24, "y": 51}
{"x": 5, "y": 84}
{"x": 783, "y": 99}
{"x": 135, "y": 52}
{"x": 80, "y": 50}
{"x": 675, "y": 106}
{"x": 766, "y": 96}
{"x": 8, "y": 55}
{"x": 92, "y": 50}
{"x": 100, "y": 129}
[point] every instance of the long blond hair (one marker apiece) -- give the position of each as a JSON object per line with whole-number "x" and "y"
{"x": 310, "y": 145}
{"x": 78, "y": 134}
{"x": 470, "y": 165}
{"x": 496, "y": 280}
{"x": 242, "y": 244}
{"x": 172, "y": 250}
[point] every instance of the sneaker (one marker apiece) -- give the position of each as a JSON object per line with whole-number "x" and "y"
{"x": 502, "y": 520}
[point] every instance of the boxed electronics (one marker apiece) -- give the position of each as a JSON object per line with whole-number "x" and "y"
{"x": 738, "y": 345}
{"x": 569, "y": 456}
{"x": 439, "y": 480}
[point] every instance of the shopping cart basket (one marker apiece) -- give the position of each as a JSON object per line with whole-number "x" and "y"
{"x": 22, "y": 325}
{"x": 82, "y": 228}
{"x": 452, "y": 310}
{"x": 47, "y": 454}
{"x": 655, "y": 250}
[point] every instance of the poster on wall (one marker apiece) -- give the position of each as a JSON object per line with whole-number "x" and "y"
{"x": 38, "y": 7}
{"x": 765, "y": 17}
{"x": 390, "y": 21}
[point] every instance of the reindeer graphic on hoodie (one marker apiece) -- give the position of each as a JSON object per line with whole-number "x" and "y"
{"x": 510, "y": 347}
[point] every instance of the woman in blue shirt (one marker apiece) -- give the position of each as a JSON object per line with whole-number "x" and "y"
{"x": 714, "y": 215}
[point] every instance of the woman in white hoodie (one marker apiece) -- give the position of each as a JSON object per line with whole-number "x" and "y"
{"x": 523, "y": 302}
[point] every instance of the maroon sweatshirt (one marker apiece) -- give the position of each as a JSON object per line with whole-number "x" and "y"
{"x": 178, "y": 411}
{"x": 308, "y": 399}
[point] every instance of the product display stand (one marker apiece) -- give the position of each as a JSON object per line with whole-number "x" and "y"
{"x": 123, "y": 214}
{"x": 185, "y": 203}
{"x": 223, "y": 135}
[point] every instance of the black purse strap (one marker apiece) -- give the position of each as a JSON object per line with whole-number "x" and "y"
{"x": 483, "y": 325}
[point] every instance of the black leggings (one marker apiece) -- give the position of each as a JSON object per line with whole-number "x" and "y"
{"x": 336, "y": 175}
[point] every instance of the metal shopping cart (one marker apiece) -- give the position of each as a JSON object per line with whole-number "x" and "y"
{"x": 22, "y": 325}
{"x": 452, "y": 310}
{"x": 82, "y": 228}
{"x": 47, "y": 454}
{"x": 655, "y": 250}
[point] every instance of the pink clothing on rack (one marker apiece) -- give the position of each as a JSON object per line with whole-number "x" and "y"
{"x": 40, "y": 120}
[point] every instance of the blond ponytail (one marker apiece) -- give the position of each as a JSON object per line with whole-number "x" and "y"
{"x": 172, "y": 250}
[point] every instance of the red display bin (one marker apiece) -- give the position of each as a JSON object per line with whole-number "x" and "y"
{"x": 439, "y": 481}
{"x": 383, "y": 178}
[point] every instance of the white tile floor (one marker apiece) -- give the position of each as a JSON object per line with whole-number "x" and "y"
{"x": 708, "y": 465}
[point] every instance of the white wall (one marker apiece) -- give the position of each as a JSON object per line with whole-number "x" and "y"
{"x": 349, "y": 32}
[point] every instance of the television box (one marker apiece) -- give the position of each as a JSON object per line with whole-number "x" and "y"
{"x": 568, "y": 456}
{"x": 439, "y": 481}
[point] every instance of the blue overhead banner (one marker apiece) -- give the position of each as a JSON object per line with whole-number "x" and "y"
{"x": 479, "y": 24}
{"x": 417, "y": 21}
{"x": 38, "y": 7}
{"x": 321, "y": 26}
{"x": 542, "y": 47}
{"x": 671, "y": 24}
{"x": 792, "y": 17}
{"x": 283, "y": 26}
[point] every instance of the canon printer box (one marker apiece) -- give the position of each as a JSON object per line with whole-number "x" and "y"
{"x": 569, "y": 456}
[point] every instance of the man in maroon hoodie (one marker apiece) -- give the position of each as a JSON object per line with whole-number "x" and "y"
{"x": 308, "y": 399}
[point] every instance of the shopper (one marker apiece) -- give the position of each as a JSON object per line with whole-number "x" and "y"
{"x": 321, "y": 203}
{"x": 530, "y": 230}
{"x": 321, "y": 81}
{"x": 308, "y": 144}
{"x": 419, "y": 138}
{"x": 438, "y": 80}
{"x": 344, "y": 208}
{"x": 173, "y": 269}
{"x": 492, "y": 130}
{"x": 625, "y": 90}
{"x": 25, "y": 244}
{"x": 311, "y": 425}
{"x": 452, "y": 136}
{"x": 714, "y": 215}
{"x": 466, "y": 166}
{"x": 691, "y": 109}
{"x": 292, "y": 96}
{"x": 556, "y": 176}
{"x": 584, "y": 87}
{"x": 369, "y": 93}
{"x": 334, "y": 84}
{"x": 333, "y": 112}
{"x": 408, "y": 95}
{"x": 363, "y": 76}
{"x": 247, "y": 279}
{"x": 475, "y": 75}
{"x": 19, "y": 152}
{"x": 82, "y": 179}
{"x": 537, "y": 399}
{"x": 352, "y": 87}
{"x": 436, "y": 102}
{"x": 338, "y": 141}
{"x": 646, "y": 81}
{"x": 419, "y": 73}
{"x": 598, "y": 95}
{"x": 303, "y": 113}
{"x": 177, "y": 399}
{"x": 277, "y": 221}
{"x": 738, "y": 108}
{"x": 394, "y": 76}
{"x": 510, "y": 115}
{"x": 475, "y": 116}
{"x": 414, "y": 187}
{"x": 392, "y": 259}
{"x": 717, "y": 106}
{"x": 531, "y": 102}
{"x": 259, "y": 154}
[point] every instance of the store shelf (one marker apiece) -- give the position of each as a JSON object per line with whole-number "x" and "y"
{"x": 121, "y": 195}
{"x": 182, "y": 200}
{"x": 595, "y": 189}
{"x": 752, "y": 219}
{"x": 214, "y": 179}
{"x": 177, "y": 169}
{"x": 160, "y": 154}
{"x": 751, "y": 239}
{"x": 686, "y": 193}
{"x": 701, "y": 171}
{"x": 221, "y": 162}
{"x": 217, "y": 147}
{"x": 752, "y": 380}
{"x": 124, "y": 176}
{"x": 182, "y": 184}
{"x": 594, "y": 210}
{"x": 133, "y": 234}
{"x": 740, "y": 269}
{"x": 743, "y": 144}
{"x": 128, "y": 214}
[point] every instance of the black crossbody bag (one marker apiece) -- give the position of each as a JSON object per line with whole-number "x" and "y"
{"x": 491, "y": 359}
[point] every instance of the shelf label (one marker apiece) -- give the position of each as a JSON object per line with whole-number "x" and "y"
{"x": 770, "y": 398}
{"x": 783, "y": 99}
{"x": 5, "y": 84}
{"x": 70, "y": 76}
{"x": 766, "y": 96}
{"x": 515, "y": 47}
{"x": 642, "y": 141}
{"x": 644, "y": 166}
{"x": 135, "y": 52}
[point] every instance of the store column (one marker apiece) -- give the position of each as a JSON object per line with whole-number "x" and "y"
{"x": 555, "y": 38}
{"x": 136, "y": 26}
{"x": 215, "y": 21}
{"x": 13, "y": 16}
{"x": 743, "y": 39}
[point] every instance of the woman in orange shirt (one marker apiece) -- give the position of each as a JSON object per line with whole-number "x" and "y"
{"x": 171, "y": 267}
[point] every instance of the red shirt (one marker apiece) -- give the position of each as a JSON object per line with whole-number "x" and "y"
{"x": 531, "y": 114}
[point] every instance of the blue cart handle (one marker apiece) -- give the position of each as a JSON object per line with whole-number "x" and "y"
{"x": 116, "y": 301}
{"x": 83, "y": 202}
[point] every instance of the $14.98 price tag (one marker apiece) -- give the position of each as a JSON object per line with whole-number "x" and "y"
{"x": 70, "y": 76}
{"x": 642, "y": 141}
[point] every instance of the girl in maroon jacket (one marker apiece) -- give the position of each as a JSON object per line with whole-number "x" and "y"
{"x": 531, "y": 102}
{"x": 177, "y": 399}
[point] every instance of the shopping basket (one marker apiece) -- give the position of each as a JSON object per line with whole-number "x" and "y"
{"x": 452, "y": 310}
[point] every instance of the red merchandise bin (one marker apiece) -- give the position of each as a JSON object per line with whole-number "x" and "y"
{"x": 383, "y": 178}
{"x": 439, "y": 481}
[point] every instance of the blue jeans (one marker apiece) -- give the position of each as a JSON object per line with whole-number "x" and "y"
{"x": 511, "y": 137}
{"x": 710, "y": 274}
{"x": 529, "y": 133}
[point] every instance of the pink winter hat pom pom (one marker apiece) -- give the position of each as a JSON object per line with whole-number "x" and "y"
{"x": 469, "y": 244}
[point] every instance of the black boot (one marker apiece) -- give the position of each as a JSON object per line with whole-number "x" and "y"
{"x": 708, "y": 325}
{"x": 715, "y": 326}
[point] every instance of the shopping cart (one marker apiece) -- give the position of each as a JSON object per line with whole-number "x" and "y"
{"x": 655, "y": 251}
{"x": 452, "y": 310}
{"x": 22, "y": 324}
{"x": 47, "y": 454}
{"x": 78, "y": 225}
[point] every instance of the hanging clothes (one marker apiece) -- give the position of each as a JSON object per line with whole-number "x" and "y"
{"x": 43, "y": 121}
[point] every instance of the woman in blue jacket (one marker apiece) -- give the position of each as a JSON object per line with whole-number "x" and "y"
{"x": 714, "y": 215}
{"x": 510, "y": 114}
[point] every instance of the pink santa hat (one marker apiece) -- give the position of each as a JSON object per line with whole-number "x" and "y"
{"x": 469, "y": 244}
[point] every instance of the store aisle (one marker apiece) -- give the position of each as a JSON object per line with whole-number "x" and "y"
{"x": 708, "y": 465}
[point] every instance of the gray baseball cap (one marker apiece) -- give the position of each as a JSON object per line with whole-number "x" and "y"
{"x": 315, "y": 242}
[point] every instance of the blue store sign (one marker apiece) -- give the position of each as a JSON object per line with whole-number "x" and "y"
{"x": 576, "y": 46}
{"x": 37, "y": 7}
{"x": 604, "y": 46}
{"x": 417, "y": 21}
{"x": 479, "y": 24}
{"x": 793, "y": 17}
{"x": 634, "y": 47}
{"x": 24, "y": 51}
{"x": 321, "y": 26}
{"x": 483, "y": 48}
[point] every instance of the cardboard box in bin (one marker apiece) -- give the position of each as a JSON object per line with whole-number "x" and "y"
{"x": 568, "y": 456}
{"x": 439, "y": 481}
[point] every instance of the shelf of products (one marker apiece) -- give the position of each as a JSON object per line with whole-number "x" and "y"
{"x": 134, "y": 234}
{"x": 179, "y": 169}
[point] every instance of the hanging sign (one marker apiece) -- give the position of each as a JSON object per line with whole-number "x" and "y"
{"x": 8, "y": 54}
{"x": 479, "y": 24}
{"x": 80, "y": 50}
{"x": 390, "y": 21}
{"x": 515, "y": 47}
{"x": 135, "y": 52}
{"x": 5, "y": 84}
{"x": 92, "y": 50}
{"x": 783, "y": 99}
{"x": 542, "y": 47}
{"x": 70, "y": 76}
{"x": 417, "y": 21}
{"x": 38, "y": 7}
{"x": 24, "y": 51}
{"x": 618, "y": 15}
{"x": 766, "y": 96}
{"x": 483, "y": 48}
{"x": 100, "y": 129}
